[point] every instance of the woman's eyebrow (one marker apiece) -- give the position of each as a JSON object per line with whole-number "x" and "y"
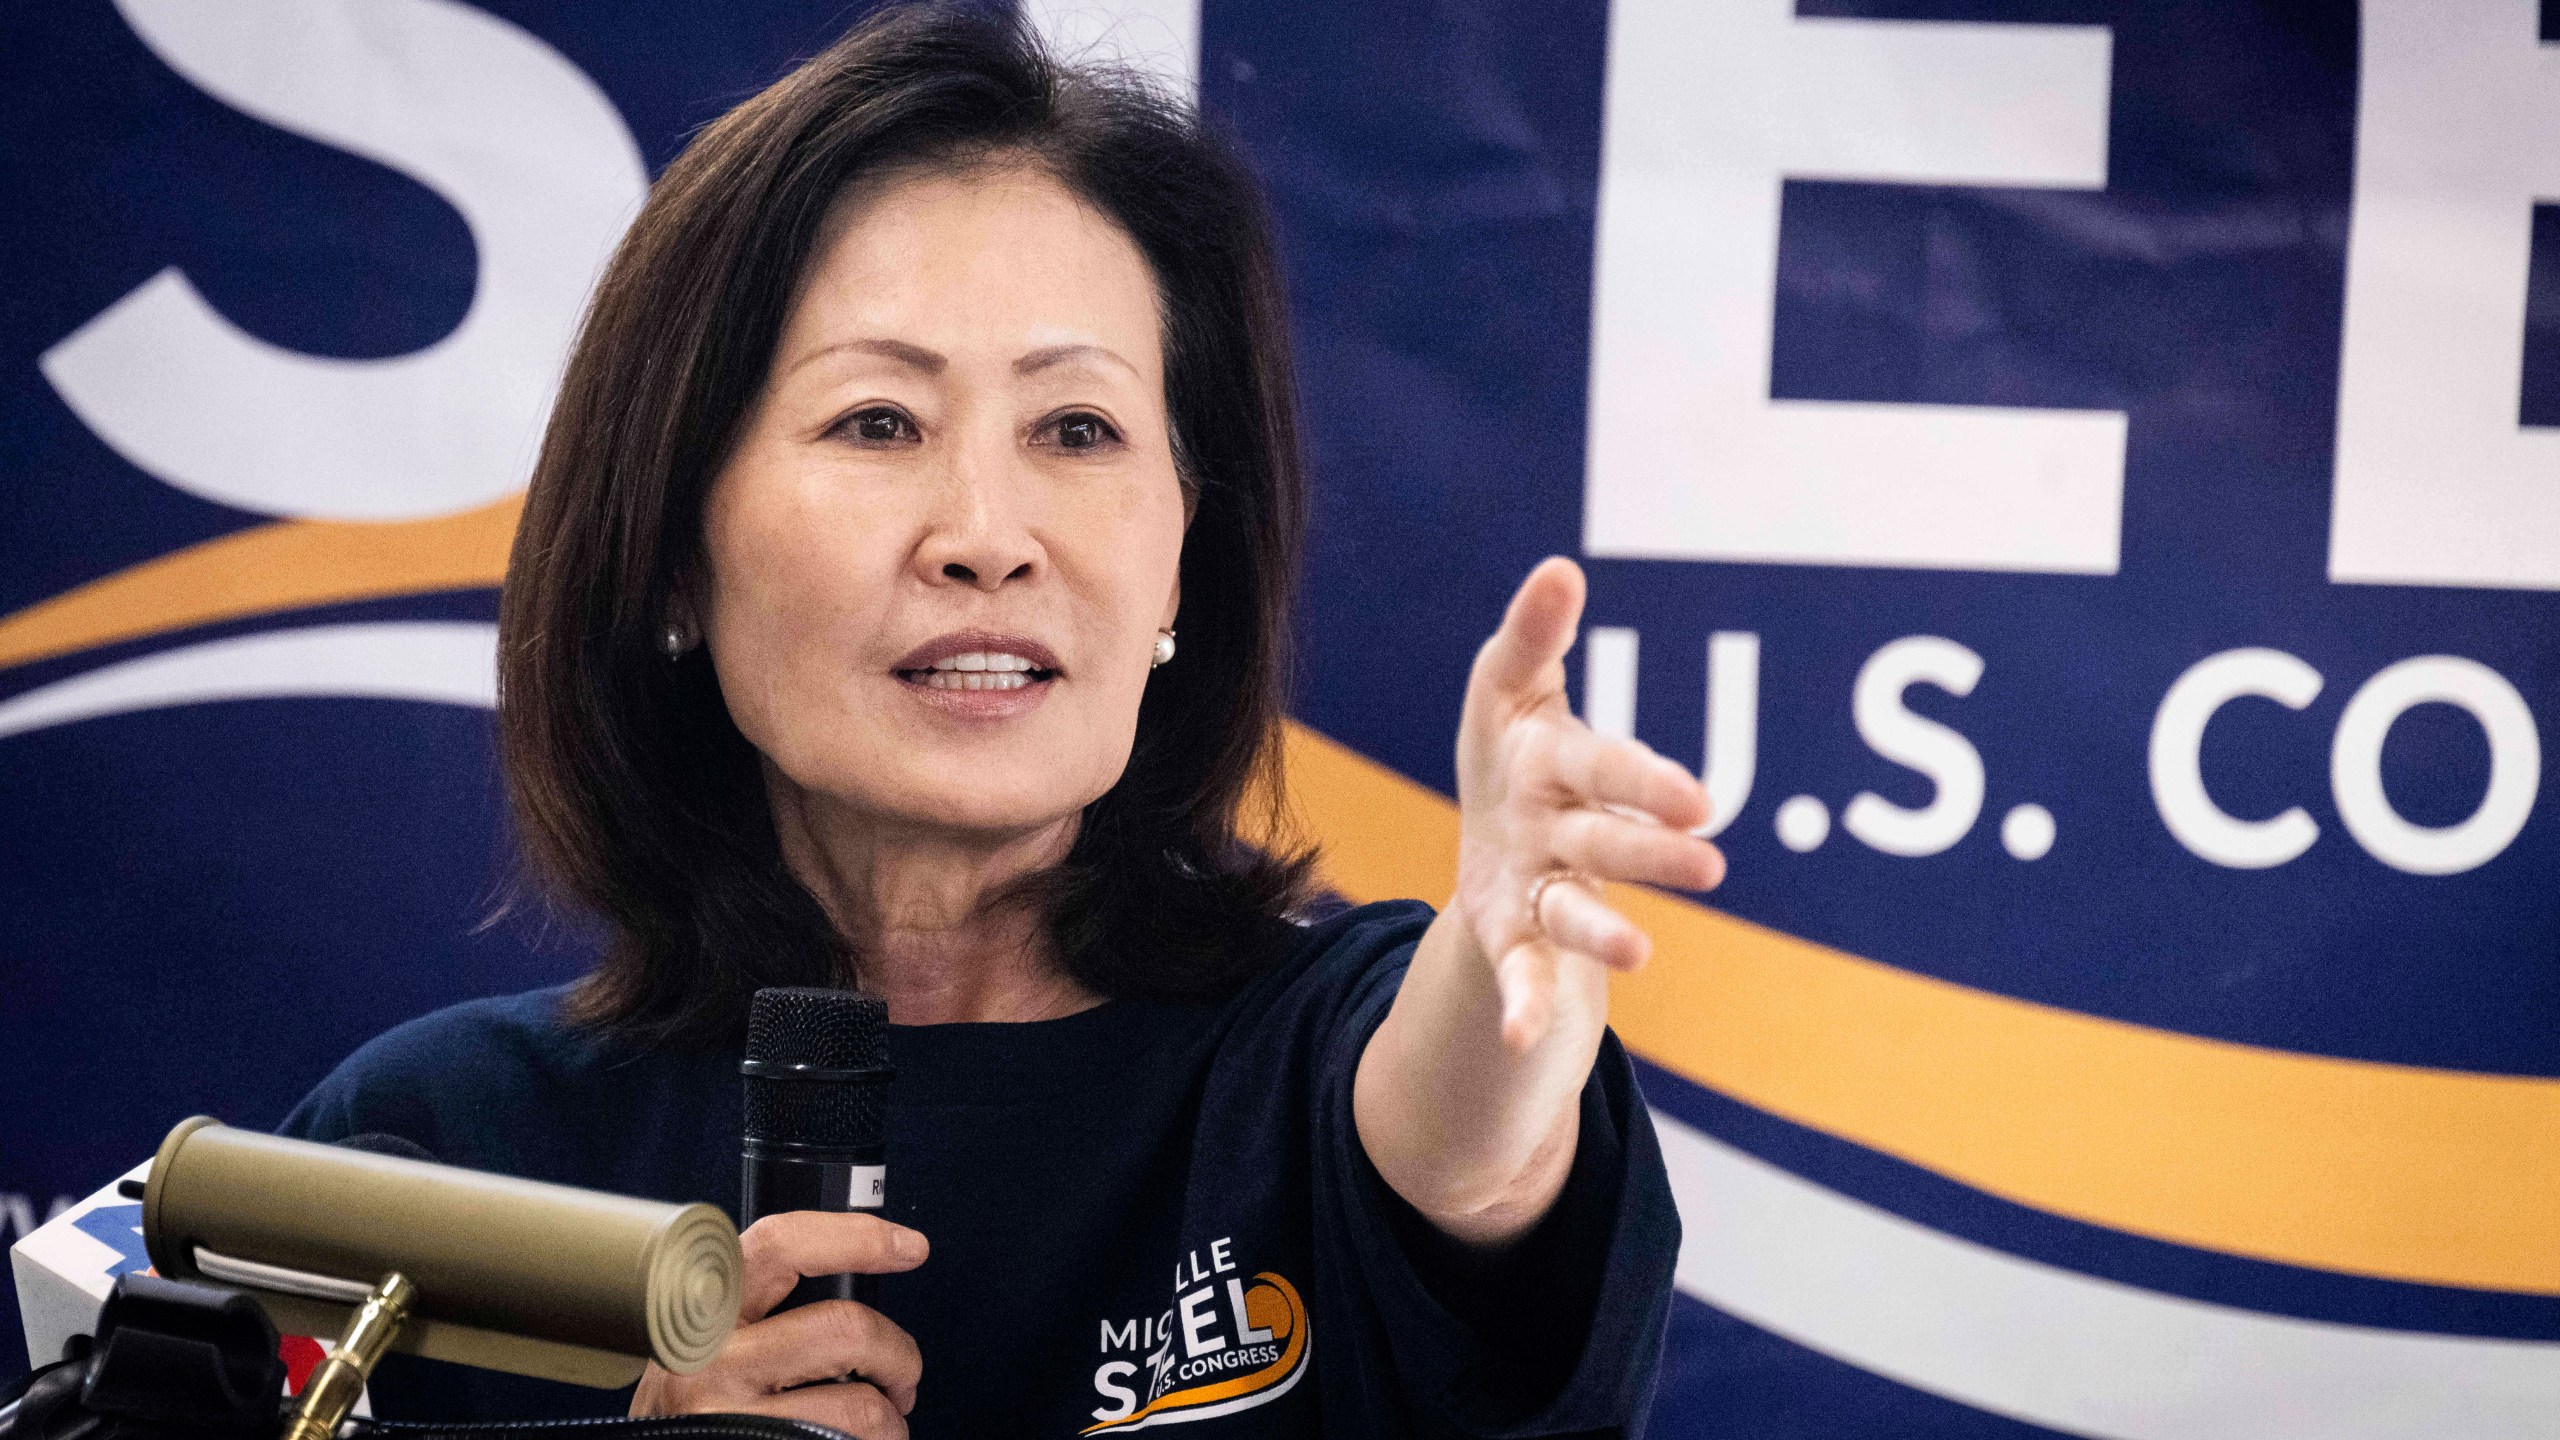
{"x": 1049, "y": 355}
{"x": 914, "y": 357}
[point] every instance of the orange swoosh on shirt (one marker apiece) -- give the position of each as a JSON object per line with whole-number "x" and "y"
{"x": 1234, "y": 1386}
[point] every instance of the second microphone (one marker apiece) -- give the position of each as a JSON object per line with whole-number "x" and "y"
{"x": 815, "y": 1135}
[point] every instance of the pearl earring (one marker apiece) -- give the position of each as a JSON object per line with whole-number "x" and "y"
{"x": 675, "y": 641}
{"x": 1164, "y": 648}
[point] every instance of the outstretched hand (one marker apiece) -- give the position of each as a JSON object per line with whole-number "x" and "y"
{"x": 1466, "y": 1096}
{"x": 1540, "y": 793}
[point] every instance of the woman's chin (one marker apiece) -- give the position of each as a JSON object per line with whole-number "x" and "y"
{"x": 989, "y": 815}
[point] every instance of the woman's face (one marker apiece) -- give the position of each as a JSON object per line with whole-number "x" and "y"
{"x": 939, "y": 557}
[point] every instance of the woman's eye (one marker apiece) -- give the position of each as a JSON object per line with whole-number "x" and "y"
{"x": 1084, "y": 431}
{"x": 879, "y": 426}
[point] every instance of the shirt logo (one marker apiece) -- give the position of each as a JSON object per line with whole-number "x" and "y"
{"x": 1228, "y": 1342}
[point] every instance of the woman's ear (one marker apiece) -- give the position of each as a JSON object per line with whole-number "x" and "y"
{"x": 1172, "y": 603}
{"x": 679, "y": 623}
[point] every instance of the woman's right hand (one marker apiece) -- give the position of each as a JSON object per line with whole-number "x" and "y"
{"x": 768, "y": 1364}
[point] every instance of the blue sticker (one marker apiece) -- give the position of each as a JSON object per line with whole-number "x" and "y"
{"x": 119, "y": 1228}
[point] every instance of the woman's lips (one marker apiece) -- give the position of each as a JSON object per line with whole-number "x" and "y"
{"x": 979, "y": 674}
{"x": 943, "y": 650}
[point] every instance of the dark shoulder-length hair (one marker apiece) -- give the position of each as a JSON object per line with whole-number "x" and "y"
{"x": 635, "y": 796}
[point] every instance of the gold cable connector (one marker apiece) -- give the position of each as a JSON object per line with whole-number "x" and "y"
{"x": 336, "y": 1385}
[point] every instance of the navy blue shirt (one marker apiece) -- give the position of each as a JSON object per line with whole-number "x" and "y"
{"x": 1139, "y": 1213}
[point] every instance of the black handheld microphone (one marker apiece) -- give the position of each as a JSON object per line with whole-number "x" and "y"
{"x": 817, "y": 1115}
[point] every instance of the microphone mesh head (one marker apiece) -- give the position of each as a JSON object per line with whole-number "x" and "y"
{"x": 825, "y": 1030}
{"x": 829, "y": 1029}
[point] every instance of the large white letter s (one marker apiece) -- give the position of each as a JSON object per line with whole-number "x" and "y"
{"x": 520, "y": 141}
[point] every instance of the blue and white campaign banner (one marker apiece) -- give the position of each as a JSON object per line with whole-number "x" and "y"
{"x": 2081, "y": 479}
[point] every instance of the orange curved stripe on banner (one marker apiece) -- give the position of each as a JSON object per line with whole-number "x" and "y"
{"x": 2440, "y": 1177}
{"x": 2401, "y": 1172}
{"x": 1234, "y": 1386}
{"x": 284, "y": 565}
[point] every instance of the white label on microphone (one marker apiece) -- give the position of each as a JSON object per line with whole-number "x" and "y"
{"x": 870, "y": 1186}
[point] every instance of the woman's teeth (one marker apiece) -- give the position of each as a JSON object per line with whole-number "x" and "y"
{"x": 940, "y": 679}
{"x": 984, "y": 660}
{"x": 979, "y": 670}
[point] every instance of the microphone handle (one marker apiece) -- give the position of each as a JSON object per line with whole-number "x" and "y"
{"x": 777, "y": 1180}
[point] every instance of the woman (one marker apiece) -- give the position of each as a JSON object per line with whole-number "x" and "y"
{"x": 901, "y": 602}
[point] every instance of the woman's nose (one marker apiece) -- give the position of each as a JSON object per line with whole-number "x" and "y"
{"x": 977, "y": 536}
{"x": 987, "y": 574}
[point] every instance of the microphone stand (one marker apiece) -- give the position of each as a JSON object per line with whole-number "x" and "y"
{"x": 187, "y": 1360}
{"x": 335, "y": 1387}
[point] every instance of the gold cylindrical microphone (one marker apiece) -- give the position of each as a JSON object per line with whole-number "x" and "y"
{"x": 509, "y": 1274}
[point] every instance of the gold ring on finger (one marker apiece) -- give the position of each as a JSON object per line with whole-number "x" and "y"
{"x": 1538, "y": 891}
